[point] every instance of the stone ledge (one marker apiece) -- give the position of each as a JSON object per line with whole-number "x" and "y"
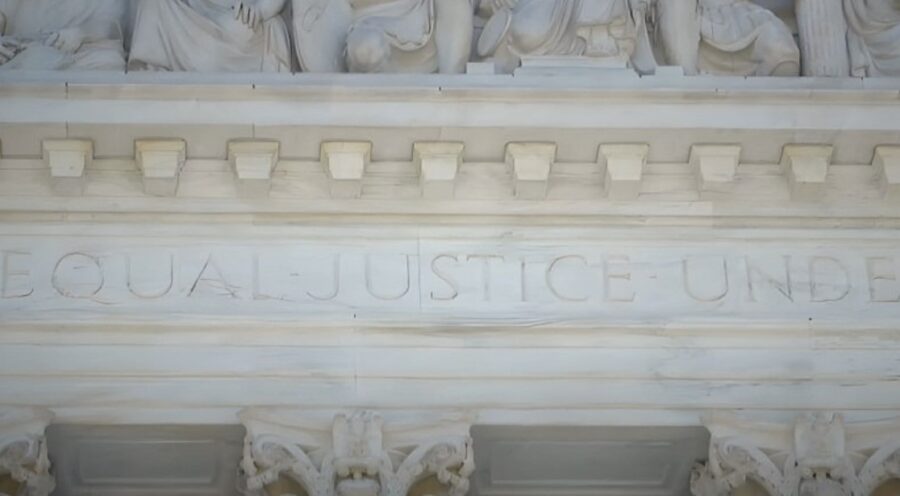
{"x": 180, "y": 85}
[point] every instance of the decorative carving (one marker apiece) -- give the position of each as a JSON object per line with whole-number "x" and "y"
{"x": 817, "y": 456}
{"x": 358, "y": 457}
{"x": 62, "y": 34}
{"x": 874, "y": 37}
{"x": 608, "y": 31}
{"x": 421, "y": 36}
{"x": 210, "y": 36}
{"x": 737, "y": 37}
{"x": 23, "y": 451}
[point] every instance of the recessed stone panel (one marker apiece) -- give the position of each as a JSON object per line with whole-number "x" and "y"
{"x": 145, "y": 460}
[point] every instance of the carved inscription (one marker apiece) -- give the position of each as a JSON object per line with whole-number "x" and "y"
{"x": 15, "y": 278}
{"x": 448, "y": 280}
{"x": 884, "y": 286}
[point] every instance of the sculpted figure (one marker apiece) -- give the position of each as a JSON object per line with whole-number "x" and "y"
{"x": 609, "y": 29}
{"x": 727, "y": 37}
{"x": 874, "y": 37}
{"x": 385, "y": 36}
{"x": 62, "y": 34}
{"x": 211, "y": 36}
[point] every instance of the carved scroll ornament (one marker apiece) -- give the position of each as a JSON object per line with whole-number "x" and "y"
{"x": 818, "y": 456}
{"x": 358, "y": 458}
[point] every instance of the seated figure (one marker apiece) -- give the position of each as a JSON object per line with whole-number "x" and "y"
{"x": 384, "y": 36}
{"x": 210, "y": 36}
{"x": 874, "y": 37}
{"x": 727, "y": 37}
{"x": 600, "y": 29}
{"x": 62, "y": 34}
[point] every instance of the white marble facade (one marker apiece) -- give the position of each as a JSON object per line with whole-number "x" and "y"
{"x": 449, "y": 247}
{"x": 722, "y": 37}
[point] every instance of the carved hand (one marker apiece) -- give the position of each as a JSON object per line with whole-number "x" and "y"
{"x": 504, "y": 4}
{"x": 642, "y": 6}
{"x": 67, "y": 40}
{"x": 9, "y": 48}
{"x": 249, "y": 13}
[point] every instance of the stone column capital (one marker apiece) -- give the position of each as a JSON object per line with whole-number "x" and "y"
{"x": 355, "y": 454}
{"x": 23, "y": 450}
{"x": 816, "y": 455}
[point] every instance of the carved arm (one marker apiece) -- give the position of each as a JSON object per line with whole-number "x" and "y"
{"x": 454, "y": 31}
{"x": 270, "y": 8}
{"x": 254, "y": 12}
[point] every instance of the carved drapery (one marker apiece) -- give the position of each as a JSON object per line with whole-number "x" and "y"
{"x": 62, "y": 34}
{"x": 23, "y": 453}
{"x": 817, "y": 456}
{"x": 823, "y": 35}
{"x": 732, "y": 37}
{"x": 359, "y": 456}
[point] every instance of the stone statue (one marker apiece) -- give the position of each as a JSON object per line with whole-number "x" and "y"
{"x": 874, "y": 37}
{"x": 600, "y": 29}
{"x": 726, "y": 37}
{"x": 385, "y": 36}
{"x": 211, "y": 36}
{"x": 62, "y": 34}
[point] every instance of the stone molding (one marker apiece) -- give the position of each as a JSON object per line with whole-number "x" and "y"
{"x": 442, "y": 173}
{"x": 817, "y": 455}
{"x": 23, "y": 450}
{"x": 360, "y": 454}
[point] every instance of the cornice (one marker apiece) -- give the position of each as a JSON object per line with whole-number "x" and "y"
{"x": 668, "y": 150}
{"x": 429, "y": 87}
